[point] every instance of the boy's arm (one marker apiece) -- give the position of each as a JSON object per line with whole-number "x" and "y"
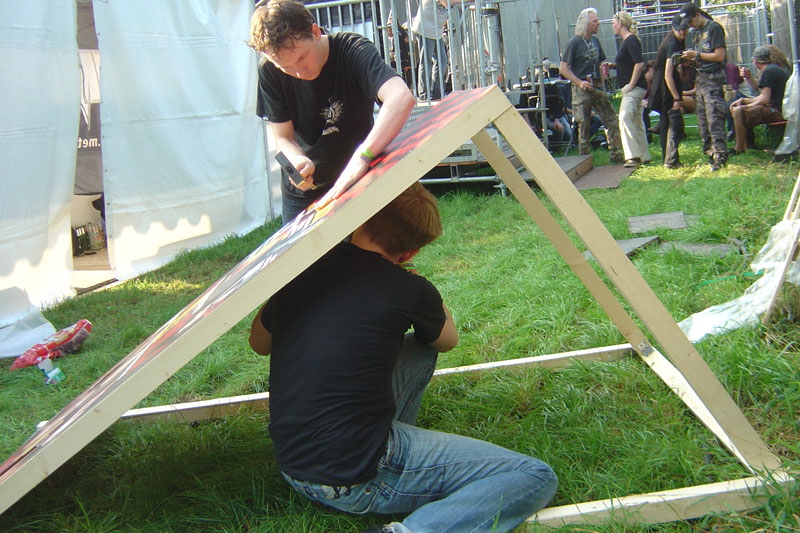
{"x": 260, "y": 337}
{"x": 285, "y": 142}
{"x": 448, "y": 338}
{"x": 397, "y": 103}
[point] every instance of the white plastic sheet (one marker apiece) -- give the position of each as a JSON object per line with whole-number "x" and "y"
{"x": 746, "y": 309}
{"x": 182, "y": 146}
{"x": 40, "y": 86}
{"x": 28, "y": 327}
{"x": 791, "y": 113}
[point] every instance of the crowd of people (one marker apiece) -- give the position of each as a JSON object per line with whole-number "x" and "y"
{"x": 690, "y": 74}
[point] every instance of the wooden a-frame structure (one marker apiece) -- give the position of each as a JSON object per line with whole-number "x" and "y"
{"x": 460, "y": 116}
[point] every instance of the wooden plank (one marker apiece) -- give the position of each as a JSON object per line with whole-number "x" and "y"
{"x": 792, "y": 206}
{"x": 551, "y": 361}
{"x": 219, "y": 407}
{"x": 553, "y": 230}
{"x": 245, "y": 287}
{"x": 669, "y": 505}
{"x": 201, "y": 410}
{"x": 216, "y": 408}
{"x": 684, "y": 390}
{"x": 783, "y": 270}
{"x": 635, "y": 290}
{"x": 603, "y": 295}
{"x": 791, "y": 253}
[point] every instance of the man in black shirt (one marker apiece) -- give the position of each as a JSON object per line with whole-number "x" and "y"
{"x": 764, "y": 108}
{"x": 708, "y": 50}
{"x": 318, "y": 91}
{"x": 345, "y": 387}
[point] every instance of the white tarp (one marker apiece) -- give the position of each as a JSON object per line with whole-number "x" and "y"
{"x": 183, "y": 150}
{"x": 40, "y": 87}
{"x": 182, "y": 146}
{"x": 746, "y": 309}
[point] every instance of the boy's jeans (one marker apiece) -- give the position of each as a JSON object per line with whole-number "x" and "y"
{"x": 447, "y": 482}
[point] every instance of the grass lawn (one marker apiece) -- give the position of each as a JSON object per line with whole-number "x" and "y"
{"x": 608, "y": 429}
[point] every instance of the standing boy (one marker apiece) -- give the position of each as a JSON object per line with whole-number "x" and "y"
{"x": 318, "y": 91}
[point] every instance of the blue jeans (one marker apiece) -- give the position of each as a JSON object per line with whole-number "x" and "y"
{"x": 448, "y": 483}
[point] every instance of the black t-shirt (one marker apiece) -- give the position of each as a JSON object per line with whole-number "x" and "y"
{"x": 336, "y": 332}
{"x": 629, "y": 53}
{"x": 775, "y": 78}
{"x": 707, "y": 39}
{"x": 584, "y": 56}
{"x": 661, "y": 98}
{"x": 332, "y": 114}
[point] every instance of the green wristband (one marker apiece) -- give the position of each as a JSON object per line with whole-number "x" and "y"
{"x": 366, "y": 154}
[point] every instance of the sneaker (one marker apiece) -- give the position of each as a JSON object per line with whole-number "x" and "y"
{"x": 379, "y": 529}
{"x": 632, "y": 163}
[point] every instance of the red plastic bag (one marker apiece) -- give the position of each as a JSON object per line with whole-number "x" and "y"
{"x": 61, "y": 342}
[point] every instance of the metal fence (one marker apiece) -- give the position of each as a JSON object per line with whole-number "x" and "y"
{"x": 745, "y": 22}
{"x": 498, "y": 42}
{"x": 482, "y": 49}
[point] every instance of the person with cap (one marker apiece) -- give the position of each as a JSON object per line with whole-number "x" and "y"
{"x": 766, "y": 107}
{"x": 708, "y": 50}
{"x": 318, "y": 91}
{"x": 666, "y": 93}
{"x": 630, "y": 75}
{"x": 581, "y": 65}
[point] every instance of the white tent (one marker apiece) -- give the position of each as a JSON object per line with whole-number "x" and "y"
{"x": 183, "y": 150}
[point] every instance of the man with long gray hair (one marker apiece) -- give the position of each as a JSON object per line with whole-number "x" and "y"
{"x": 581, "y": 65}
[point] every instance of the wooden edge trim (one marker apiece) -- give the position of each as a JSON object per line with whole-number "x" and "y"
{"x": 207, "y": 409}
{"x": 670, "y": 505}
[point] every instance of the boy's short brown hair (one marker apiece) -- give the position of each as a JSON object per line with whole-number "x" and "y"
{"x": 279, "y": 23}
{"x": 407, "y": 223}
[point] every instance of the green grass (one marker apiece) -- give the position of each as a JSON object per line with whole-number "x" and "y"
{"x": 609, "y": 429}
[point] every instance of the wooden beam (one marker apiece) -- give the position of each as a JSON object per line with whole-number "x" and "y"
{"x": 555, "y": 233}
{"x": 635, "y": 290}
{"x": 552, "y": 361}
{"x": 217, "y": 408}
{"x": 246, "y": 286}
{"x": 669, "y": 505}
{"x": 200, "y": 410}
